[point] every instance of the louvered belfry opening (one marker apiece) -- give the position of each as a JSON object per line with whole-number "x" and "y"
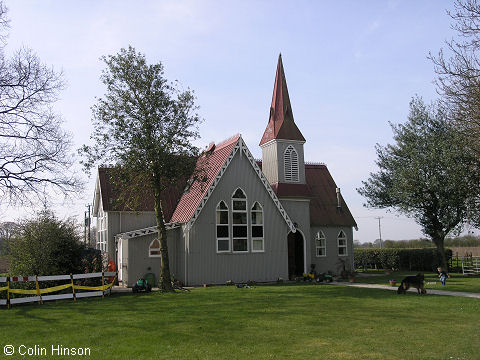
{"x": 290, "y": 158}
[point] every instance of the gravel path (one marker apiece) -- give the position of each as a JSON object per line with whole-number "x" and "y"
{"x": 429, "y": 291}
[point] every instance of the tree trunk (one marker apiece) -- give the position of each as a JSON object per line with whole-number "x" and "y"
{"x": 439, "y": 242}
{"x": 165, "y": 282}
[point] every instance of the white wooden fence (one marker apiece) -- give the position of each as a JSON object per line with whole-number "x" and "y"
{"x": 38, "y": 292}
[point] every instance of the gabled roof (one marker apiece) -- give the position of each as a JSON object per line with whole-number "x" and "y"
{"x": 111, "y": 199}
{"x": 281, "y": 124}
{"x": 210, "y": 168}
{"x": 211, "y": 162}
{"x": 214, "y": 164}
{"x": 321, "y": 190}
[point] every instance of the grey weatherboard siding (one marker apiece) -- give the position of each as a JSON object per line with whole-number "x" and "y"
{"x": 206, "y": 265}
{"x": 120, "y": 222}
{"x": 136, "y": 260}
{"x": 330, "y": 262}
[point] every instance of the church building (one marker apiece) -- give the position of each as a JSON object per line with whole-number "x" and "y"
{"x": 251, "y": 220}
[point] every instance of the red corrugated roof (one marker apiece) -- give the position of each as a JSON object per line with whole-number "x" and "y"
{"x": 292, "y": 190}
{"x": 320, "y": 189}
{"x": 113, "y": 201}
{"x": 210, "y": 164}
{"x": 323, "y": 201}
{"x": 281, "y": 124}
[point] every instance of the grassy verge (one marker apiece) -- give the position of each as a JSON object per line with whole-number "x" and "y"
{"x": 457, "y": 282}
{"x": 264, "y": 322}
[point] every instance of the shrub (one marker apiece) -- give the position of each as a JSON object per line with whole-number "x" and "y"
{"x": 426, "y": 259}
{"x": 46, "y": 245}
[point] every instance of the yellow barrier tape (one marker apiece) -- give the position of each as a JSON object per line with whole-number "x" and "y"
{"x": 104, "y": 287}
{"x": 21, "y": 291}
{"x": 58, "y": 288}
{"x": 55, "y": 288}
{"x": 41, "y": 291}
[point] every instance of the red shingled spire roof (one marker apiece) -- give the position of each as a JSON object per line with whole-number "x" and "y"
{"x": 281, "y": 124}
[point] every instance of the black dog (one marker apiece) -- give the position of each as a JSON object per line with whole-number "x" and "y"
{"x": 416, "y": 281}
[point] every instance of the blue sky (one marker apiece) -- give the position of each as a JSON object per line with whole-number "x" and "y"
{"x": 351, "y": 67}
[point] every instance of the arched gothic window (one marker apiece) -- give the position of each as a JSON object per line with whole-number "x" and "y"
{"x": 154, "y": 248}
{"x": 320, "y": 244}
{"x": 257, "y": 228}
{"x": 342, "y": 243}
{"x": 239, "y": 221}
{"x": 222, "y": 228}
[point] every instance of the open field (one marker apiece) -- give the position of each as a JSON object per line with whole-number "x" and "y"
{"x": 457, "y": 282}
{"x": 266, "y": 322}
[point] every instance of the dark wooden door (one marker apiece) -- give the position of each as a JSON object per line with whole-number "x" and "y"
{"x": 295, "y": 255}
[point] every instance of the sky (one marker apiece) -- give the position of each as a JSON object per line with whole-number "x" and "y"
{"x": 352, "y": 68}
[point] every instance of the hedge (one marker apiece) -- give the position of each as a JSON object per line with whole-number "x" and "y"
{"x": 427, "y": 259}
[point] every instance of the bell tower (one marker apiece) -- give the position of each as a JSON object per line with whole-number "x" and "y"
{"x": 282, "y": 142}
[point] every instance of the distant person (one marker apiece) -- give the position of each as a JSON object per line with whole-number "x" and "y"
{"x": 442, "y": 274}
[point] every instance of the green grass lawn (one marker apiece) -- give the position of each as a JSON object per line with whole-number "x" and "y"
{"x": 457, "y": 282}
{"x": 266, "y": 322}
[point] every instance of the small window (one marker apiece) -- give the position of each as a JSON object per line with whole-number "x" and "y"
{"x": 342, "y": 243}
{"x": 320, "y": 244}
{"x": 290, "y": 157}
{"x": 154, "y": 248}
{"x": 222, "y": 227}
{"x": 239, "y": 221}
{"x": 257, "y": 228}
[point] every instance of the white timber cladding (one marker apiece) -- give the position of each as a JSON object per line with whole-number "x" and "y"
{"x": 320, "y": 244}
{"x": 258, "y": 171}
{"x": 102, "y": 242}
{"x": 342, "y": 243}
{"x": 290, "y": 158}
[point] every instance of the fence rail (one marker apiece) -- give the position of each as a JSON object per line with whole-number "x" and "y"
{"x": 38, "y": 292}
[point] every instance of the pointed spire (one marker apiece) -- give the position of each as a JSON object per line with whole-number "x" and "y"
{"x": 281, "y": 124}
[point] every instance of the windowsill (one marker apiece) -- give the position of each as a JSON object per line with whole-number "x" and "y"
{"x": 321, "y": 256}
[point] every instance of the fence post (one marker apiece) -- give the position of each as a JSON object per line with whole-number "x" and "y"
{"x": 73, "y": 287}
{"x": 8, "y": 292}
{"x": 38, "y": 290}
{"x": 103, "y": 284}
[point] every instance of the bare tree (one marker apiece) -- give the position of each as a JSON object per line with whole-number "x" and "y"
{"x": 34, "y": 150}
{"x": 458, "y": 70}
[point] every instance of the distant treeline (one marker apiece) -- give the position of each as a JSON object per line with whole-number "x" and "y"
{"x": 461, "y": 241}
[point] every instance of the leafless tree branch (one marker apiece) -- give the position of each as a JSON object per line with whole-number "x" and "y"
{"x": 35, "y": 153}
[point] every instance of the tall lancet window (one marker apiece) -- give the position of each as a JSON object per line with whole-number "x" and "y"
{"x": 342, "y": 243}
{"x": 257, "y": 227}
{"x": 223, "y": 239}
{"x": 291, "y": 164}
{"x": 239, "y": 221}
